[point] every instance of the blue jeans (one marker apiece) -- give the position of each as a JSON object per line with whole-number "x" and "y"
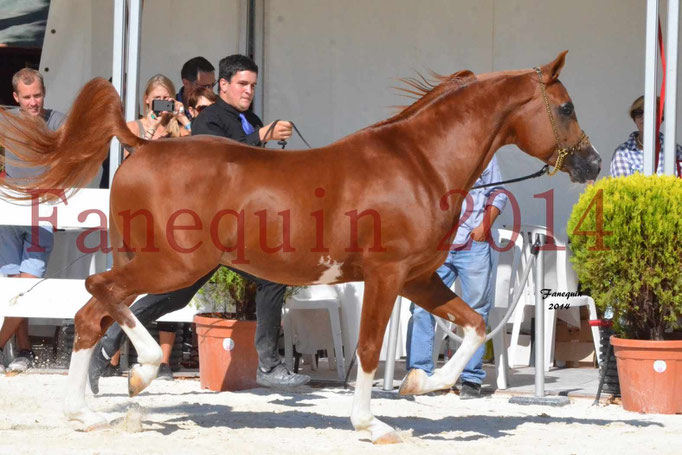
{"x": 16, "y": 254}
{"x": 473, "y": 267}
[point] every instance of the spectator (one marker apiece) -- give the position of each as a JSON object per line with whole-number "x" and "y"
{"x": 196, "y": 73}
{"x": 199, "y": 99}
{"x": 471, "y": 262}
{"x": 629, "y": 156}
{"x": 153, "y": 125}
{"x": 21, "y": 254}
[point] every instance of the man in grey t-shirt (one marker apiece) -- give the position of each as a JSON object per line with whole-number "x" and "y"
{"x": 21, "y": 255}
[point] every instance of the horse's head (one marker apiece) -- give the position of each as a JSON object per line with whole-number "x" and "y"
{"x": 547, "y": 127}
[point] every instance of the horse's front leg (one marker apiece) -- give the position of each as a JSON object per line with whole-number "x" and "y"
{"x": 381, "y": 289}
{"x": 435, "y": 297}
{"x": 90, "y": 323}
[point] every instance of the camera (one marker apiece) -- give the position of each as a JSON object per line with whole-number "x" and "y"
{"x": 163, "y": 106}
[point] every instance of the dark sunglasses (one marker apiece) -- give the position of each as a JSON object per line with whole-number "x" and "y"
{"x": 202, "y": 107}
{"x": 639, "y": 113}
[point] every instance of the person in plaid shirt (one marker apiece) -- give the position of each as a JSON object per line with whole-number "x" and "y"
{"x": 629, "y": 156}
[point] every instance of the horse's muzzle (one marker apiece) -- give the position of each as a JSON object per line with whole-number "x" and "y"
{"x": 584, "y": 165}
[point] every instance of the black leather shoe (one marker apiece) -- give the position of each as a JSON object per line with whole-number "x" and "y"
{"x": 165, "y": 373}
{"x": 470, "y": 390}
{"x": 111, "y": 370}
{"x": 280, "y": 377}
{"x": 99, "y": 366}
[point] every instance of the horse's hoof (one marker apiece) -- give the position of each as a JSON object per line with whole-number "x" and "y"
{"x": 413, "y": 384}
{"x": 138, "y": 380}
{"x": 389, "y": 438}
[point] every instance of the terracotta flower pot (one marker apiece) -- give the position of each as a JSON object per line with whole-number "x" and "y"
{"x": 227, "y": 355}
{"x": 650, "y": 374}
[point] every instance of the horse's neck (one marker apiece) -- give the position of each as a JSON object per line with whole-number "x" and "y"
{"x": 466, "y": 127}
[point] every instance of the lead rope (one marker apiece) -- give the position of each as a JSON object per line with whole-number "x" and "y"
{"x": 15, "y": 299}
{"x": 284, "y": 143}
{"x": 539, "y": 173}
{"x": 535, "y": 249}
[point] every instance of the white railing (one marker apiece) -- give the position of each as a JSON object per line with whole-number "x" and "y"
{"x": 60, "y": 298}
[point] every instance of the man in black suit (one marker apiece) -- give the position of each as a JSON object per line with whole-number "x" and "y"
{"x": 232, "y": 118}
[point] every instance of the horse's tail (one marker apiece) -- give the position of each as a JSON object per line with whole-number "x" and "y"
{"x": 71, "y": 156}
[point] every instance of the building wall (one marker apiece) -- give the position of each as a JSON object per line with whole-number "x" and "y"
{"x": 329, "y": 66}
{"x": 173, "y": 31}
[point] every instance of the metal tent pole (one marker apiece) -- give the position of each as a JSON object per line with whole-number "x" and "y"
{"x": 671, "y": 87}
{"x": 133, "y": 59}
{"x": 651, "y": 64}
{"x": 117, "y": 73}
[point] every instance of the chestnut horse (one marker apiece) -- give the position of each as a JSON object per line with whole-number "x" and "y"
{"x": 378, "y": 206}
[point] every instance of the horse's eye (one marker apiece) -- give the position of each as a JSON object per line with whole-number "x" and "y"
{"x": 567, "y": 109}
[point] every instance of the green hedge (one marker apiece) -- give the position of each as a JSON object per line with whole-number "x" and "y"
{"x": 639, "y": 272}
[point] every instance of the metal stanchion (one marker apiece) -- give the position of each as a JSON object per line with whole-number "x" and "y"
{"x": 539, "y": 342}
{"x": 538, "y": 275}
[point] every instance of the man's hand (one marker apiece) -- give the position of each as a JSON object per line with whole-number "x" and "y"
{"x": 281, "y": 131}
{"x": 479, "y": 233}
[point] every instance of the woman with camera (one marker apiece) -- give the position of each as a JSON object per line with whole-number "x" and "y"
{"x": 163, "y": 116}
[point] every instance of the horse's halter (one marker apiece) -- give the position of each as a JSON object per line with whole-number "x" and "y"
{"x": 563, "y": 151}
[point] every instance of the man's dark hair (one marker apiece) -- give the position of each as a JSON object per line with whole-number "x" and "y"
{"x": 235, "y": 63}
{"x": 190, "y": 70}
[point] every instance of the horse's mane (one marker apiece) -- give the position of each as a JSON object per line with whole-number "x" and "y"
{"x": 425, "y": 90}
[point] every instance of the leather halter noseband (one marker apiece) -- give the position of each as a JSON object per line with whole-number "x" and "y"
{"x": 563, "y": 151}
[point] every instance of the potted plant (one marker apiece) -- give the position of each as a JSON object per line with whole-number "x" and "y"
{"x": 626, "y": 237}
{"x": 226, "y": 331}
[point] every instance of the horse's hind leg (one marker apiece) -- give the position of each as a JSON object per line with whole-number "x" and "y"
{"x": 439, "y": 300}
{"x": 381, "y": 289}
{"x": 90, "y": 322}
{"x": 112, "y": 292}
{"x": 145, "y": 274}
{"x": 139, "y": 276}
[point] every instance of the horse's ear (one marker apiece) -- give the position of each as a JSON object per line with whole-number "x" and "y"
{"x": 551, "y": 70}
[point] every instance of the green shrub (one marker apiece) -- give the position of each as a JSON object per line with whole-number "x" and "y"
{"x": 638, "y": 272}
{"x": 229, "y": 295}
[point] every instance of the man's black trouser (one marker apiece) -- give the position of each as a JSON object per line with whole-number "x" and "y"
{"x": 269, "y": 301}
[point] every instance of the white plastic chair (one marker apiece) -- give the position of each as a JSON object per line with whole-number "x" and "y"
{"x": 558, "y": 275}
{"x": 507, "y": 273}
{"x": 504, "y": 277}
{"x": 317, "y": 297}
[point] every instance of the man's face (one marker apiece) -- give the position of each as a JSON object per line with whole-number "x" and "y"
{"x": 206, "y": 80}
{"x": 30, "y": 97}
{"x": 239, "y": 92}
{"x": 639, "y": 121}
